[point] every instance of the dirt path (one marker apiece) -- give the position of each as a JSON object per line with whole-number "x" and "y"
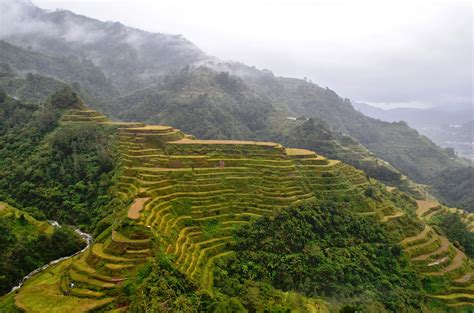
{"x": 457, "y": 262}
{"x": 444, "y": 247}
{"x": 465, "y": 278}
{"x": 388, "y": 217}
{"x": 417, "y": 237}
{"x": 425, "y": 205}
{"x": 136, "y": 208}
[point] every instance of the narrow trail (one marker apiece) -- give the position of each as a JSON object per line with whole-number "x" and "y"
{"x": 417, "y": 237}
{"x": 444, "y": 246}
{"x": 389, "y": 217}
{"x": 457, "y": 261}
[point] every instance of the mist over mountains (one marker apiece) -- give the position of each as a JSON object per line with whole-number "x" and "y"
{"x": 448, "y": 126}
{"x": 133, "y": 75}
{"x": 201, "y": 185}
{"x": 131, "y": 58}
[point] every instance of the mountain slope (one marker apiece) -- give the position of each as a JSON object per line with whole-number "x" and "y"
{"x": 27, "y": 243}
{"x": 55, "y": 173}
{"x": 131, "y": 58}
{"x": 414, "y": 155}
{"x": 215, "y": 203}
{"x": 455, "y": 186}
{"x": 449, "y": 126}
{"x": 82, "y": 74}
{"x": 202, "y": 102}
{"x": 138, "y": 63}
{"x": 218, "y": 105}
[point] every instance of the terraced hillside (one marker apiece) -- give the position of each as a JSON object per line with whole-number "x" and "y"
{"x": 430, "y": 209}
{"x": 190, "y": 195}
{"x": 193, "y": 193}
{"x": 28, "y": 243}
{"x": 447, "y": 267}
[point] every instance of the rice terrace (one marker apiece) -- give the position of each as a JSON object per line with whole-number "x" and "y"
{"x": 192, "y": 194}
{"x": 239, "y": 157}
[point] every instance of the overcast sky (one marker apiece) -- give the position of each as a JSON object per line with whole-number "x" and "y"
{"x": 389, "y": 53}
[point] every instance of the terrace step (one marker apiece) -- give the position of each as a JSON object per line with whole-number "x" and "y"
{"x": 97, "y": 251}
{"x": 86, "y": 293}
{"x": 81, "y": 267}
{"x": 455, "y": 263}
{"x": 89, "y": 281}
{"x": 442, "y": 248}
{"x": 410, "y": 240}
{"x": 117, "y": 267}
{"x": 464, "y": 279}
{"x": 455, "y": 298}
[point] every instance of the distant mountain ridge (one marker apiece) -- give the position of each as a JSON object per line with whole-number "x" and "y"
{"x": 125, "y": 54}
{"x": 419, "y": 118}
{"x": 82, "y": 74}
{"x": 447, "y": 126}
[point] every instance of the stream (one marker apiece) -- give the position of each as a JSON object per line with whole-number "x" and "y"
{"x": 87, "y": 238}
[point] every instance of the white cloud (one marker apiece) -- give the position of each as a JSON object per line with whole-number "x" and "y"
{"x": 382, "y": 51}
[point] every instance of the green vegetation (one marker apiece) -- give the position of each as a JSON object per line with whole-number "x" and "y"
{"x": 456, "y": 230}
{"x": 83, "y": 75}
{"x": 216, "y": 225}
{"x": 455, "y": 187}
{"x": 62, "y": 173}
{"x": 323, "y": 249}
{"x": 32, "y": 88}
{"x": 316, "y": 135}
{"x": 159, "y": 287}
{"x": 26, "y": 244}
{"x": 219, "y": 105}
{"x": 201, "y": 102}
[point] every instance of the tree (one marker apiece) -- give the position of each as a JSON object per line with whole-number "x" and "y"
{"x": 66, "y": 99}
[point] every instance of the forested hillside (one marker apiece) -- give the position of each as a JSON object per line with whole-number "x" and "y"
{"x": 54, "y": 173}
{"x": 455, "y": 187}
{"x": 27, "y": 243}
{"x": 131, "y": 58}
{"x": 82, "y": 74}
